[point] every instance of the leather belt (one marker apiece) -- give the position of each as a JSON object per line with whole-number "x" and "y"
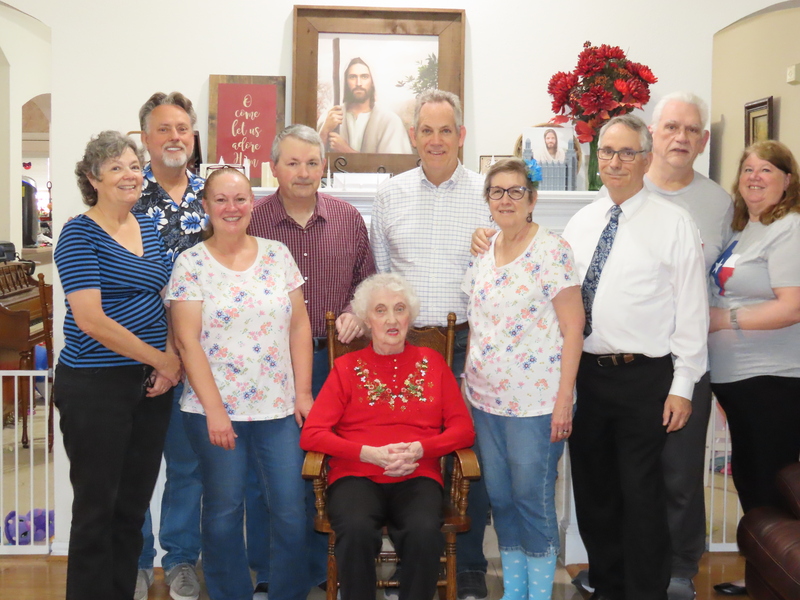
{"x": 320, "y": 343}
{"x": 616, "y": 360}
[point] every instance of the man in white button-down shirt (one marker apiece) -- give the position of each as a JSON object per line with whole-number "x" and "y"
{"x": 679, "y": 136}
{"x": 422, "y": 222}
{"x": 646, "y": 350}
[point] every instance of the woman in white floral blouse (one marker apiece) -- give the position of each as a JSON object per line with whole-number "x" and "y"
{"x": 245, "y": 340}
{"x": 526, "y": 335}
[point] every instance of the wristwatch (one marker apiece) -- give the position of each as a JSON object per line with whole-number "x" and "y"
{"x": 735, "y": 319}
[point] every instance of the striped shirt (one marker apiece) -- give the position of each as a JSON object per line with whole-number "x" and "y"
{"x": 423, "y": 232}
{"x": 130, "y": 287}
{"x": 332, "y": 251}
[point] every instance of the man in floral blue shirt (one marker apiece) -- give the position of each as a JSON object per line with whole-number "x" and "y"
{"x": 170, "y": 192}
{"x": 171, "y": 195}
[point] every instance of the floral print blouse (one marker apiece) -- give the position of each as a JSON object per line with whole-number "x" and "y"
{"x": 245, "y": 328}
{"x": 514, "y": 361}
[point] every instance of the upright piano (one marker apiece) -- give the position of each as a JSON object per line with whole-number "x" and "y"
{"x": 25, "y": 315}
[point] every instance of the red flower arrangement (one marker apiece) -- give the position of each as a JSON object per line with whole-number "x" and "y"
{"x": 603, "y": 85}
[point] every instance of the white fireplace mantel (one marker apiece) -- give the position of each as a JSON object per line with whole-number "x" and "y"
{"x": 553, "y": 209}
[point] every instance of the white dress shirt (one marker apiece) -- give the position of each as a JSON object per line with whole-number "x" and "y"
{"x": 423, "y": 232}
{"x": 652, "y": 296}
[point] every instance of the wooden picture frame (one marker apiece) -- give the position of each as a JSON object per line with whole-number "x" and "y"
{"x": 251, "y": 129}
{"x": 310, "y": 21}
{"x": 486, "y": 161}
{"x": 759, "y": 123}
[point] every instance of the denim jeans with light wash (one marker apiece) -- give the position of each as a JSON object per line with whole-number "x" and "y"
{"x": 257, "y": 515}
{"x": 179, "y": 534}
{"x": 520, "y": 466}
{"x": 273, "y": 449}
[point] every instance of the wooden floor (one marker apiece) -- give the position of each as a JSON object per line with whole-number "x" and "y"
{"x": 43, "y": 578}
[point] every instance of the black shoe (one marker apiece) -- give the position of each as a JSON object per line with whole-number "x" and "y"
{"x": 581, "y": 581}
{"x": 472, "y": 585}
{"x": 730, "y": 589}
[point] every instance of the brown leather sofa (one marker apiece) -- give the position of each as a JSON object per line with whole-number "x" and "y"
{"x": 769, "y": 539}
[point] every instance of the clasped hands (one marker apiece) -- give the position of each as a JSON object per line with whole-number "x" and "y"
{"x": 397, "y": 460}
{"x": 166, "y": 375}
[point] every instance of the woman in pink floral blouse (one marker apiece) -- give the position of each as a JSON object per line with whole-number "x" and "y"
{"x": 245, "y": 340}
{"x": 526, "y": 335}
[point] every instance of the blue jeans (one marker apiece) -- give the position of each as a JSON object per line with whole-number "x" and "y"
{"x": 179, "y": 534}
{"x": 257, "y": 520}
{"x": 520, "y": 467}
{"x": 469, "y": 545}
{"x": 257, "y": 515}
{"x": 273, "y": 448}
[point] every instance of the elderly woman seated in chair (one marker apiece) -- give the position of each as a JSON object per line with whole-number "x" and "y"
{"x": 386, "y": 415}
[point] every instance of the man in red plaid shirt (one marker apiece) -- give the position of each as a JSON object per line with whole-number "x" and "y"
{"x": 326, "y": 236}
{"x": 329, "y": 242}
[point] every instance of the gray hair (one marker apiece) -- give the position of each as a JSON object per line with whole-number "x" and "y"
{"x": 304, "y": 133}
{"x": 686, "y": 97}
{"x": 633, "y": 123}
{"x": 159, "y": 98}
{"x": 510, "y": 165}
{"x": 434, "y": 96}
{"x": 393, "y": 282}
{"x": 105, "y": 146}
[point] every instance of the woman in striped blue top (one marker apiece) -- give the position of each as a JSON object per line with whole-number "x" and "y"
{"x": 116, "y": 371}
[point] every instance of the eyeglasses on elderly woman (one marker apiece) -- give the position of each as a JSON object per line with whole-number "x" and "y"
{"x": 515, "y": 193}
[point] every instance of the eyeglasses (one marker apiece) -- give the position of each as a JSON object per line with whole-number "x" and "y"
{"x": 625, "y": 155}
{"x": 515, "y": 193}
{"x": 211, "y": 168}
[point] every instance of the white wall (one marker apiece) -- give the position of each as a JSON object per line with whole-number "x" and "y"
{"x": 25, "y": 43}
{"x": 750, "y": 60}
{"x": 104, "y": 67}
{"x": 108, "y": 57}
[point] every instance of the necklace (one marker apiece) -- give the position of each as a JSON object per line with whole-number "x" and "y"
{"x": 380, "y": 393}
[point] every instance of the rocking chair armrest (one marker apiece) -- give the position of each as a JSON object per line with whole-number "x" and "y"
{"x": 313, "y": 465}
{"x": 466, "y": 458}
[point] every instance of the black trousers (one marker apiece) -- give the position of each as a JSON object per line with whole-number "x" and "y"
{"x": 684, "y": 466}
{"x": 764, "y": 421}
{"x": 114, "y": 437}
{"x": 615, "y": 452}
{"x": 412, "y": 510}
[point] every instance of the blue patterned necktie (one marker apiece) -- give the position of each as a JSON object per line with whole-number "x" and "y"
{"x": 601, "y": 252}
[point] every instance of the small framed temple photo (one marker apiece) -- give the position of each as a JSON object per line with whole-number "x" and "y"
{"x": 759, "y": 122}
{"x": 357, "y": 73}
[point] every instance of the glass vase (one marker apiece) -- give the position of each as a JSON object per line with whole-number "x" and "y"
{"x": 593, "y": 171}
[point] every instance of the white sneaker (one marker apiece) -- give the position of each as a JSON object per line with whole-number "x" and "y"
{"x": 261, "y": 592}
{"x": 144, "y": 579}
{"x": 183, "y": 583}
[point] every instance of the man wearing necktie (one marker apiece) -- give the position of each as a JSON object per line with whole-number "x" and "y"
{"x": 644, "y": 290}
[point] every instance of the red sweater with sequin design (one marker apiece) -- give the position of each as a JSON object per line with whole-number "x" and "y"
{"x": 373, "y": 399}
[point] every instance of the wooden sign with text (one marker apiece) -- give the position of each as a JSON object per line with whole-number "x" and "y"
{"x": 244, "y": 114}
